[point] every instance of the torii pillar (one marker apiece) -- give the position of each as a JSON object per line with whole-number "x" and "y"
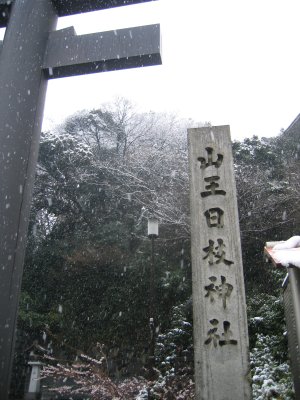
{"x": 32, "y": 53}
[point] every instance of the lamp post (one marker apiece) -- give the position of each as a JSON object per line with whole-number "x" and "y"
{"x": 152, "y": 234}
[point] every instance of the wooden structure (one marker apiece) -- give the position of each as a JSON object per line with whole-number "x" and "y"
{"x": 33, "y": 52}
{"x": 291, "y": 301}
{"x": 219, "y": 306}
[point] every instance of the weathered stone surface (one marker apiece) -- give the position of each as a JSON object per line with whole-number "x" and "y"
{"x": 70, "y": 7}
{"x": 68, "y": 54}
{"x": 23, "y": 89}
{"x": 220, "y": 324}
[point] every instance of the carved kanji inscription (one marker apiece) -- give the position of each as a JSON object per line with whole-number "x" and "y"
{"x": 225, "y": 338}
{"x": 212, "y": 187}
{"x": 215, "y": 253}
{"x": 222, "y": 291}
{"x": 208, "y": 162}
{"x": 214, "y": 217}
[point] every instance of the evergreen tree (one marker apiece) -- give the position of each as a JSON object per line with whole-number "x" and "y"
{"x": 100, "y": 175}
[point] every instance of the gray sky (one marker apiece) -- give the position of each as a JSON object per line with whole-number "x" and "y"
{"x": 230, "y": 62}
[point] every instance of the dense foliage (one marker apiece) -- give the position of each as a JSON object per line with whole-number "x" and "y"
{"x": 86, "y": 281}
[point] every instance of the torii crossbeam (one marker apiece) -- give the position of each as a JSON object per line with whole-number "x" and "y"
{"x": 33, "y": 52}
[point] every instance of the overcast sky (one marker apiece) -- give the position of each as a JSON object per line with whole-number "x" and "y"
{"x": 225, "y": 61}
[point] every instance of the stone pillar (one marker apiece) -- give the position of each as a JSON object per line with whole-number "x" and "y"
{"x": 22, "y": 94}
{"x": 220, "y": 323}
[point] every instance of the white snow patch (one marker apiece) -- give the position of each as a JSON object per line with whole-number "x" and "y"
{"x": 258, "y": 319}
{"x": 291, "y": 243}
{"x": 288, "y": 252}
{"x": 288, "y": 257}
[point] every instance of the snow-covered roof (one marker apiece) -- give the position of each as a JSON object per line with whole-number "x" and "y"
{"x": 285, "y": 253}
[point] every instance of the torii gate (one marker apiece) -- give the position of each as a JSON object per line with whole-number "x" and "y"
{"x": 33, "y": 52}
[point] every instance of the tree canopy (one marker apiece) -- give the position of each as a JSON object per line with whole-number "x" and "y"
{"x": 100, "y": 175}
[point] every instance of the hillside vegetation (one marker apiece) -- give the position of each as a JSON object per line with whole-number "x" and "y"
{"x": 85, "y": 297}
